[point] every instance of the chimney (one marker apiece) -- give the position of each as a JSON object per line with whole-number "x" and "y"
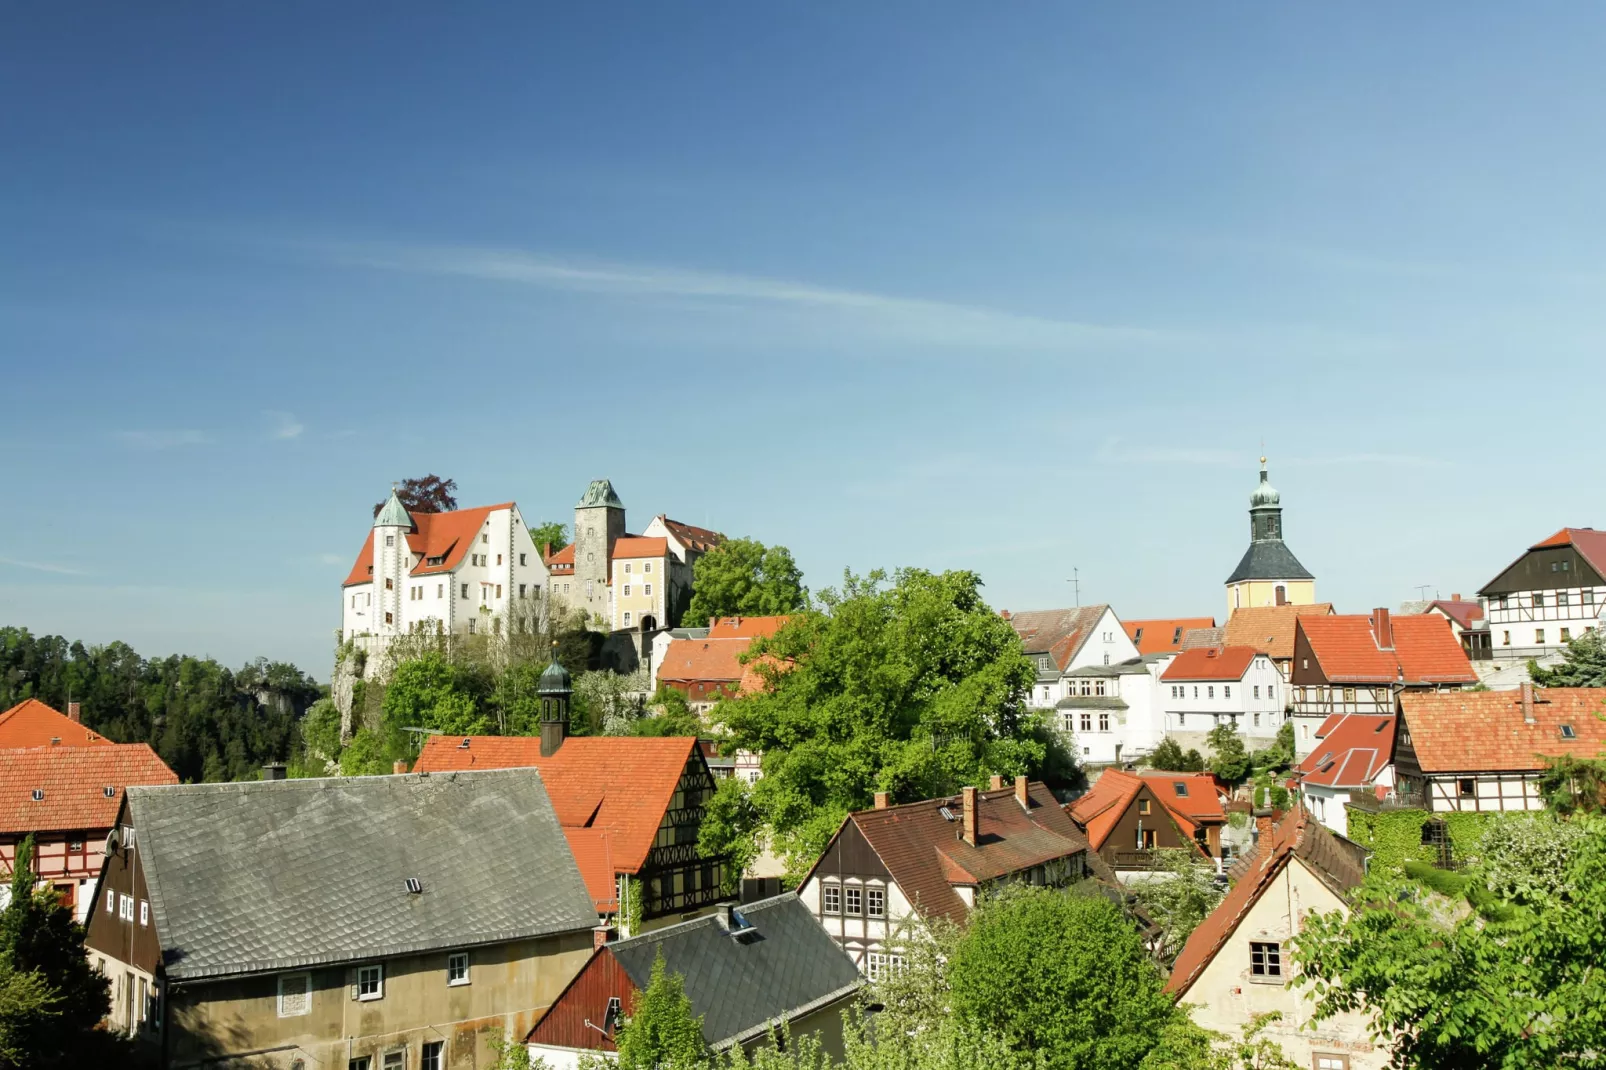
{"x": 881, "y": 800}
{"x": 723, "y": 916}
{"x": 1456, "y": 597}
{"x": 273, "y": 771}
{"x": 399, "y": 766}
{"x": 1020, "y": 793}
{"x": 1383, "y": 629}
{"x": 1282, "y": 595}
{"x": 1528, "y": 703}
{"x": 996, "y": 783}
{"x": 600, "y": 935}
{"x": 968, "y": 803}
{"x": 1005, "y": 614}
{"x": 1265, "y": 825}
{"x": 72, "y": 713}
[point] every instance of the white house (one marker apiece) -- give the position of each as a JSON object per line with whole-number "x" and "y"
{"x": 1114, "y": 711}
{"x": 1354, "y": 752}
{"x": 1060, "y": 641}
{"x": 456, "y": 573}
{"x": 1206, "y": 686}
{"x": 1552, "y": 593}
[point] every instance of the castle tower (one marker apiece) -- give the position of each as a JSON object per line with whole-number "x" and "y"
{"x": 599, "y": 522}
{"x": 392, "y": 562}
{"x": 1269, "y": 574}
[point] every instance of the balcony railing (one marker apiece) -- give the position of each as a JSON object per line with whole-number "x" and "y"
{"x": 1368, "y": 801}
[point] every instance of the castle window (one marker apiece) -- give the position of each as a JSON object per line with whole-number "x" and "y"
{"x": 647, "y": 590}
{"x": 647, "y": 567}
{"x": 627, "y": 619}
{"x": 390, "y": 540}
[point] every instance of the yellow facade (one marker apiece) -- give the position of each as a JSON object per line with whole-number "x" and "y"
{"x": 1264, "y": 593}
{"x": 638, "y": 591}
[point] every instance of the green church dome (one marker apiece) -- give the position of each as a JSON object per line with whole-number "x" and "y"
{"x": 554, "y": 681}
{"x": 1265, "y": 494}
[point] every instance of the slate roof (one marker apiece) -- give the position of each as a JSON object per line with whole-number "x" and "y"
{"x": 739, "y": 981}
{"x": 1131, "y": 667}
{"x": 1211, "y": 663}
{"x": 1270, "y": 629}
{"x": 444, "y": 535}
{"x": 1483, "y": 731}
{"x": 276, "y": 875}
{"x": 1060, "y": 633}
{"x": 1335, "y": 861}
{"x": 30, "y": 723}
{"x": 1425, "y": 651}
{"x": 1355, "y": 748}
{"x": 925, "y": 855}
{"x": 1160, "y": 635}
{"x": 74, "y": 782}
{"x": 620, "y": 783}
{"x": 1091, "y": 702}
{"x": 1269, "y": 559}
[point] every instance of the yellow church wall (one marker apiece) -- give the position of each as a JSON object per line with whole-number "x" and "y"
{"x": 1264, "y": 593}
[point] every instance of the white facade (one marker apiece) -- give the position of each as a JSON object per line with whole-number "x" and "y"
{"x": 1328, "y": 805}
{"x": 862, "y": 935}
{"x": 1529, "y": 624}
{"x": 1107, "y": 644}
{"x": 1114, "y": 712}
{"x": 1254, "y": 702}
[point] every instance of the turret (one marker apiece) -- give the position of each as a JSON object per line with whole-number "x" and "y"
{"x": 554, "y": 690}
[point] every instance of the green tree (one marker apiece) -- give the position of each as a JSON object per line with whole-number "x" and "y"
{"x": 1449, "y": 988}
{"x": 743, "y": 577}
{"x": 916, "y": 688}
{"x": 1229, "y": 760}
{"x": 732, "y": 826}
{"x": 1185, "y": 1045}
{"x": 1179, "y": 894}
{"x": 662, "y": 1033}
{"x": 668, "y": 714}
{"x": 1170, "y": 757}
{"x": 553, "y": 533}
{"x": 317, "y": 741}
{"x": 39, "y": 937}
{"x": 364, "y": 756}
{"x": 1062, "y": 974}
{"x": 430, "y": 692}
{"x": 1571, "y": 784}
{"x": 425, "y": 494}
{"x": 1525, "y": 858}
{"x": 1583, "y": 664}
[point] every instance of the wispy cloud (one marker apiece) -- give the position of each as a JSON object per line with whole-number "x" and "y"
{"x": 285, "y": 425}
{"x": 895, "y": 318}
{"x": 162, "y": 439}
{"x": 42, "y": 566}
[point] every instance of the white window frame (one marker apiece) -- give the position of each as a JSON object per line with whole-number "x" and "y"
{"x": 454, "y": 961}
{"x": 144, "y": 914}
{"x": 827, "y": 888}
{"x": 377, "y": 970}
{"x": 111, "y": 901}
{"x": 305, "y": 994}
{"x": 871, "y": 893}
{"x": 849, "y": 893}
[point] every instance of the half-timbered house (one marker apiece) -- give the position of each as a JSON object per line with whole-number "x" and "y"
{"x": 1127, "y": 817}
{"x": 1553, "y": 593}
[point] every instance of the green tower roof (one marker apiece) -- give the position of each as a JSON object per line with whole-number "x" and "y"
{"x": 394, "y": 514}
{"x": 1265, "y": 494}
{"x": 600, "y": 493}
{"x": 554, "y": 681}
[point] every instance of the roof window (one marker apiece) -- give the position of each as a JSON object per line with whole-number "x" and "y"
{"x": 1380, "y": 726}
{"x": 1568, "y": 732}
{"x": 1181, "y": 788}
{"x": 38, "y": 794}
{"x": 109, "y": 791}
{"x": 414, "y": 886}
{"x": 463, "y": 745}
{"x": 947, "y": 814}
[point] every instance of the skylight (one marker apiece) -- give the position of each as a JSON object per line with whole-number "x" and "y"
{"x": 414, "y": 885}
{"x": 1567, "y": 732}
{"x": 947, "y": 814}
{"x": 1181, "y": 788}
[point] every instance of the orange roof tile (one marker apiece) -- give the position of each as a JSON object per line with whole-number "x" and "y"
{"x": 1270, "y": 629}
{"x": 745, "y": 627}
{"x": 703, "y": 659}
{"x": 73, "y": 781}
{"x": 622, "y": 784}
{"x": 1211, "y": 663}
{"x": 594, "y": 856}
{"x": 1163, "y": 634}
{"x": 30, "y": 723}
{"x": 1590, "y": 544}
{"x": 564, "y": 556}
{"x": 638, "y": 546}
{"x": 435, "y": 535}
{"x": 1355, "y": 748}
{"x": 691, "y": 536}
{"x": 1100, "y": 810}
{"x": 1484, "y": 731}
{"x": 1202, "y": 801}
{"x": 1424, "y": 651}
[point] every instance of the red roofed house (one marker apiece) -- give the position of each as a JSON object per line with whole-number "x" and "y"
{"x": 1059, "y": 641}
{"x": 1359, "y": 663}
{"x": 30, "y": 723}
{"x": 894, "y": 866}
{"x": 68, "y": 798}
{"x": 708, "y": 668}
{"x": 1484, "y": 750}
{"x": 1353, "y": 753}
{"x": 631, "y": 808}
{"x": 1127, "y": 816}
{"x": 1238, "y": 963}
{"x": 1205, "y": 686}
{"x": 1270, "y": 630}
{"x": 1163, "y": 636}
{"x": 1467, "y": 622}
{"x": 1555, "y": 591}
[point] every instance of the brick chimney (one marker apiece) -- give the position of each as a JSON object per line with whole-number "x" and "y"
{"x": 399, "y": 766}
{"x": 1528, "y": 703}
{"x": 1020, "y": 793}
{"x": 882, "y": 799}
{"x": 968, "y": 805}
{"x": 1383, "y": 629}
{"x": 600, "y": 935}
{"x": 997, "y": 782}
{"x": 1456, "y": 597}
{"x": 1005, "y": 614}
{"x": 72, "y": 713}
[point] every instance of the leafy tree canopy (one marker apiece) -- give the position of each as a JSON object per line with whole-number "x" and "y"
{"x": 1180, "y": 893}
{"x": 432, "y": 692}
{"x": 662, "y": 1034}
{"x": 427, "y": 494}
{"x": 1583, "y": 664}
{"x": 553, "y": 533}
{"x": 1229, "y": 760}
{"x": 1170, "y": 757}
{"x": 915, "y": 688}
{"x": 743, "y": 577}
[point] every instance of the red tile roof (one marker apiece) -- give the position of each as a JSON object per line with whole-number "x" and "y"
{"x": 1161, "y": 635}
{"x": 593, "y": 854}
{"x": 745, "y": 627}
{"x": 638, "y": 546}
{"x": 1270, "y": 629}
{"x": 1211, "y": 663}
{"x": 1100, "y": 810}
{"x": 562, "y": 559}
{"x": 692, "y": 537}
{"x": 618, "y": 783}
{"x": 444, "y": 535}
{"x": 1590, "y": 544}
{"x": 1484, "y": 731}
{"x": 1424, "y": 651}
{"x": 703, "y": 659}
{"x": 74, "y": 782}
{"x": 1335, "y": 862}
{"x": 30, "y": 723}
{"x": 1464, "y": 613}
{"x": 924, "y": 854}
{"x": 1353, "y": 751}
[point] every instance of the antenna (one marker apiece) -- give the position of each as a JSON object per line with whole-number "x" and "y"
{"x": 1422, "y": 589}
{"x": 1076, "y": 586}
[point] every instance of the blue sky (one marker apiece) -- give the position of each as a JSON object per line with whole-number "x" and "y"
{"x": 897, "y": 284}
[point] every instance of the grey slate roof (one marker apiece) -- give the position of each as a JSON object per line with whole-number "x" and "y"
{"x": 1133, "y": 667}
{"x": 784, "y": 966}
{"x": 1269, "y": 559}
{"x": 1091, "y": 702}
{"x": 275, "y": 875}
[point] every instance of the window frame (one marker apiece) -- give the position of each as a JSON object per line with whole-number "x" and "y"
{"x": 435, "y": 1048}
{"x": 1269, "y": 969}
{"x": 853, "y": 900}
{"x": 452, "y": 961}
{"x": 875, "y": 901}
{"x": 378, "y": 970}
{"x": 831, "y": 890}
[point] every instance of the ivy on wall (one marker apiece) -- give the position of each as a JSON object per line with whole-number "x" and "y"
{"x": 1395, "y": 836}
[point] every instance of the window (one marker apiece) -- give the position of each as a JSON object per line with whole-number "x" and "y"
{"x": 370, "y": 982}
{"x": 471, "y": 625}
{"x": 1257, "y": 720}
{"x": 1106, "y": 659}
{"x": 361, "y": 1062}
{"x": 1349, "y": 694}
{"x": 1561, "y": 599}
{"x": 389, "y": 584}
{"x": 875, "y": 902}
{"x": 1210, "y": 692}
{"x": 125, "y": 907}
{"x": 1104, "y": 721}
{"x": 1566, "y": 634}
{"x": 1322, "y": 1061}
{"x": 1226, "y": 692}
{"x": 1195, "y": 690}
{"x": 1269, "y": 691}
{"x": 1539, "y": 635}
{"x": 1505, "y": 638}
{"x": 1182, "y": 719}
{"x": 393, "y": 1060}
{"x": 855, "y": 900}
{"x": 1568, "y": 732}
{"x": 390, "y": 540}
{"x": 832, "y": 898}
{"x": 465, "y": 590}
{"x": 498, "y": 559}
{"x": 1181, "y": 788}
{"x": 522, "y": 587}
{"x": 1087, "y": 721}
{"x": 499, "y": 590}
{"x": 111, "y": 901}
{"x": 627, "y": 590}
{"x": 432, "y": 1057}
{"x": 457, "y": 968}
{"x": 1466, "y": 787}
{"x": 647, "y": 567}
{"x": 144, "y": 914}
{"x": 627, "y": 619}
{"x": 295, "y": 994}
{"x": 647, "y": 590}
{"x": 1265, "y": 961}
{"x": 390, "y": 618}
{"x": 1257, "y": 690}
{"x": 1146, "y": 840}
{"x": 1539, "y": 600}
{"x": 485, "y": 537}
{"x": 1143, "y": 806}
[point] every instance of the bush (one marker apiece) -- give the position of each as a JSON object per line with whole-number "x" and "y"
{"x": 1442, "y": 881}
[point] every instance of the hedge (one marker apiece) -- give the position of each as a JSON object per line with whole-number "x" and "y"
{"x": 1395, "y": 836}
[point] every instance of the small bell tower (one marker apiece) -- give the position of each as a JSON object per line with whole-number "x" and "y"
{"x": 554, "y": 690}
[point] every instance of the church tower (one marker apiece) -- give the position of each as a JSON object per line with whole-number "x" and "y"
{"x": 599, "y": 522}
{"x": 1269, "y": 574}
